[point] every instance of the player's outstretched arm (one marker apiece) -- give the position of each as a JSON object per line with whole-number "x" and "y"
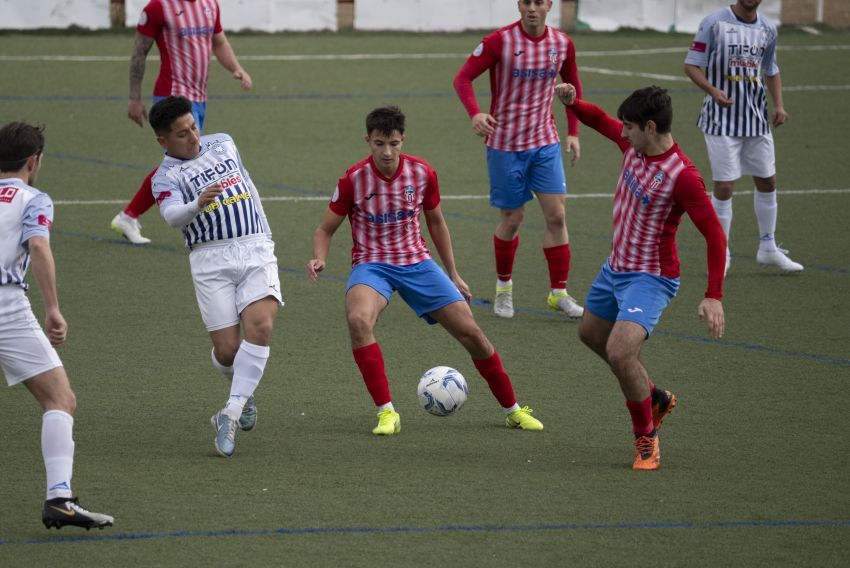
{"x": 711, "y": 311}
{"x": 136, "y": 108}
{"x": 44, "y": 270}
{"x": 322, "y": 243}
{"x": 440, "y": 236}
{"x": 227, "y": 57}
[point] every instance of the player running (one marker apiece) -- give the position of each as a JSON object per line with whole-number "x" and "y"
{"x": 27, "y": 355}
{"x": 383, "y": 196}
{"x": 657, "y": 184}
{"x": 203, "y": 189}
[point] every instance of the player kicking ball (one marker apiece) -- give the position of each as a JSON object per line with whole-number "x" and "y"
{"x": 657, "y": 185}
{"x": 204, "y": 190}
{"x": 383, "y": 196}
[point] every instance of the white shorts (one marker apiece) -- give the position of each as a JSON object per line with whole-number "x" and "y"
{"x": 230, "y": 275}
{"x": 732, "y": 157}
{"x": 24, "y": 349}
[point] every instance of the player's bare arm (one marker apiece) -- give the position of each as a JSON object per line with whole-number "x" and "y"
{"x": 227, "y": 57}
{"x": 572, "y": 147}
{"x": 774, "y": 87}
{"x": 322, "y": 243}
{"x": 711, "y": 311}
{"x": 697, "y": 76}
{"x": 440, "y": 236}
{"x": 484, "y": 124}
{"x": 136, "y": 109}
{"x": 44, "y": 270}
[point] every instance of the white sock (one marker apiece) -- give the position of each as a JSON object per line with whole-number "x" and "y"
{"x": 57, "y": 449}
{"x": 513, "y": 408}
{"x": 248, "y": 366}
{"x": 556, "y": 291}
{"x": 226, "y": 371}
{"x": 765, "y": 207}
{"x": 501, "y": 284}
{"x": 724, "y": 214}
{"x": 386, "y": 406}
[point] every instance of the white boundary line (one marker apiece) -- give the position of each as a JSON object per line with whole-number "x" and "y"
{"x": 296, "y": 198}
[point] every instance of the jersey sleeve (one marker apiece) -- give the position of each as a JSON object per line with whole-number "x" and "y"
{"x": 151, "y": 19}
{"x": 569, "y": 73}
{"x": 483, "y": 57}
{"x": 596, "y": 118}
{"x": 689, "y": 192}
{"x": 343, "y": 198}
{"x": 769, "y": 63}
{"x": 217, "y": 27}
{"x": 37, "y": 217}
{"x": 431, "y": 198}
{"x": 701, "y": 44}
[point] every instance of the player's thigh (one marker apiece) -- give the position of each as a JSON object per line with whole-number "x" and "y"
{"x": 507, "y": 172}
{"x": 546, "y": 171}
{"x": 367, "y": 293}
{"x": 52, "y": 390}
{"x": 214, "y": 275}
{"x": 643, "y": 298}
{"x": 758, "y": 157}
{"x": 259, "y": 277}
{"x": 724, "y": 154}
{"x": 25, "y": 351}
{"x": 426, "y": 288}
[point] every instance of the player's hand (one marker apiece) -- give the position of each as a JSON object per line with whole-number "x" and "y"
{"x": 55, "y": 328}
{"x": 136, "y": 112}
{"x": 720, "y": 98}
{"x": 780, "y": 117}
{"x": 314, "y": 266}
{"x": 244, "y": 79}
{"x": 573, "y": 148}
{"x": 566, "y": 93}
{"x": 483, "y": 124}
{"x": 209, "y": 194}
{"x": 711, "y": 311}
{"x": 462, "y": 287}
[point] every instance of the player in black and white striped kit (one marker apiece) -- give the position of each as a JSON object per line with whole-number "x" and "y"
{"x": 730, "y": 51}
{"x": 203, "y": 188}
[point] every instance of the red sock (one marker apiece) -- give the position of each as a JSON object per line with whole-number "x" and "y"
{"x": 143, "y": 200}
{"x": 500, "y": 384}
{"x": 371, "y": 363}
{"x": 558, "y": 259}
{"x": 505, "y": 253}
{"x": 641, "y": 416}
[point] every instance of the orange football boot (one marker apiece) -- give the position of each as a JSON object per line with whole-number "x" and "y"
{"x": 647, "y": 454}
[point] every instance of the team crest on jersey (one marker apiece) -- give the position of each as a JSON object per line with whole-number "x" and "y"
{"x": 657, "y": 180}
{"x": 409, "y": 193}
{"x": 218, "y": 148}
{"x": 553, "y": 55}
{"x": 7, "y": 194}
{"x": 208, "y": 11}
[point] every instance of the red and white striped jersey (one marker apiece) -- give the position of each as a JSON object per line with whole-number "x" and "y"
{"x": 523, "y": 71}
{"x": 385, "y": 212}
{"x": 183, "y": 30}
{"x": 652, "y": 194}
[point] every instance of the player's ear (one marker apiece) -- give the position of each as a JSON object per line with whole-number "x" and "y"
{"x": 162, "y": 141}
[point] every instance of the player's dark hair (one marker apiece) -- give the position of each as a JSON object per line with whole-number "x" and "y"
{"x": 19, "y": 142}
{"x": 385, "y": 120}
{"x": 165, "y": 112}
{"x": 650, "y": 103}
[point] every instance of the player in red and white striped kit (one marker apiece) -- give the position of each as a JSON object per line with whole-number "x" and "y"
{"x": 186, "y": 32}
{"x": 383, "y": 197}
{"x": 523, "y": 148}
{"x": 657, "y": 185}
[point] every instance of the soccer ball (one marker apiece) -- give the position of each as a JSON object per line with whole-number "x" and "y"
{"x": 442, "y": 391}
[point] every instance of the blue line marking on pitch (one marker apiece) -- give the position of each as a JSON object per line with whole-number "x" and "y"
{"x": 442, "y": 529}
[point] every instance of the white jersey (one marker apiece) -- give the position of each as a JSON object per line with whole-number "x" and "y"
{"x": 237, "y": 212}
{"x": 25, "y": 212}
{"x": 734, "y": 53}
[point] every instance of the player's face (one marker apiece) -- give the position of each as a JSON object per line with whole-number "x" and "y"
{"x": 533, "y": 14}
{"x": 385, "y": 150}
{"x": 183, "y": 140}
{"x": 639, "y": 139}
{"x": 749, "y": 5}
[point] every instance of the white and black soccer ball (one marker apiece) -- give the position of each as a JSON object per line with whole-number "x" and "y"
{"x": 442, "y": 391}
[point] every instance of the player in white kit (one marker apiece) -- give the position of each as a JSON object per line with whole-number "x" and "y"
{"x": 203, "y": 188}
{"x": 27, "y": 354}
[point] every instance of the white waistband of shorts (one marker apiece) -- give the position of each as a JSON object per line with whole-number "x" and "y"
{"x": 11, "y": 291}
{"x": 234, "y": 241}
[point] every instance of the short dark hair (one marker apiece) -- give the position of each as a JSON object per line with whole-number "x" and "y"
{"x": 19, "y": 142}
{"x": 650, "y": 103}
{"x": 165, "y": 112}
{"x": 385, "y": 120}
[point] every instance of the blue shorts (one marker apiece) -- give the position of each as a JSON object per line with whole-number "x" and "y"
{"x": 199, "y": 111}
{"x": 630, "y": 296}
{"x": 425, "y": 287}
{"x": 515, "y": 175}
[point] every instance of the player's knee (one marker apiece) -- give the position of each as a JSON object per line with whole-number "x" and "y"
{"x": 359, "y": 324}
{"x": 618, "y": 357}
{"x": 260, "y": 332}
